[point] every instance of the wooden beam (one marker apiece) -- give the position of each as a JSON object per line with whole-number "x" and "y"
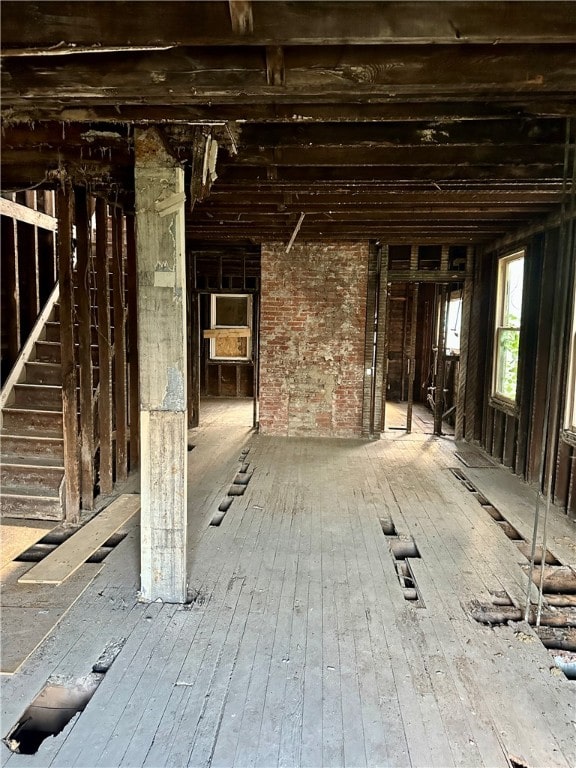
{"x": 381, "y": 352}
{"x": 83, "y": 294}
{"x": 301, "y": 112}
{"x": 27, "y": 215}
{"x": 364, "y": 73}
{"x": 61, "y": 28}
{"x": 105, "y": 407}
{"x": 132, "y": 299}
{"x": 119, "y": 336}
{"x": 163, "y": 369}
{"x": 69, "y": 382}
{"x": 460, "y": 427}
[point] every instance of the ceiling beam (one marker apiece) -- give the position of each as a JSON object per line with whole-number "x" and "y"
{"x": 61, "y": 26}
{"x": 319, "y": 75}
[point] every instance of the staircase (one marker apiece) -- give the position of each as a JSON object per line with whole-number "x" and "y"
{"x": 32, "y": 445}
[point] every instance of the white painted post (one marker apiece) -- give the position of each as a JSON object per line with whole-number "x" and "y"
{"x": 161, "y": 272}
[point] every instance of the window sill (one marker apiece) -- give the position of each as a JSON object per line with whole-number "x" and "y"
{"x": 569, "y": 437}
{"x": 506, "y": 406}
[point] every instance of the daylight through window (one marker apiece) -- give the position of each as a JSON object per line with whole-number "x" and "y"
{"x": 508, "y": 322}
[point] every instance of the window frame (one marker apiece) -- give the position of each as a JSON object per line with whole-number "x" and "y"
{"x": 216, "y": 327}
{"x": 502, "y": 282}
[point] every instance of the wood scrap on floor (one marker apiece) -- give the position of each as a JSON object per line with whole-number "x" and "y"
{"x": 71, "y": 554}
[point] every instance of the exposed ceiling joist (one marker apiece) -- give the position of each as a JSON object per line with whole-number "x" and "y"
{"x": 65, "y": 25}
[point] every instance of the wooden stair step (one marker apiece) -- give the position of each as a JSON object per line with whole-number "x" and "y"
{"x": 26, "y": 447}
{"x": 27, "y": 420}
{"x": 43, "y": 373}
{"x": 28, "y": 503}
{"x": 38, "y": 396}
{"x": 50, "y": 373}
{"x": 42, "y": 477}
{"x": 53, "y": 332}
{"x": 49, "y": 352}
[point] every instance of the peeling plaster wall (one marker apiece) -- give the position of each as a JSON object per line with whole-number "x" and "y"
{"x": 312, "y": 327}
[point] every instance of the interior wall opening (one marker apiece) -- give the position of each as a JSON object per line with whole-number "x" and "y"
{"x": 424, "y": 328}
{"x": 224, "y": 302}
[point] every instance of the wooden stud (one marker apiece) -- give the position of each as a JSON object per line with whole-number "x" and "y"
{"x": 440, "y": 363}
{"x": 132, "y": 300}
{"x": 105, "y": 408}
{"x": 412, "y": 355}
{"x": 256, "y": 360}
{"x": 12, "y": 295}
{"x": 381, "y": 354}
{"x": 459, "y": 427}
{"x": 120, "y": 410}
{"x": 369, "y": 380}
{"x": 69, "y": 383}
{"x": 83, "y": 294}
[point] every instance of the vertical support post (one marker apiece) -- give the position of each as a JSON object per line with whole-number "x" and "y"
{"x": 255, "y": 341}
{"x": 412, "y": 354}
{"x": 463, "y": 367}
{"x": 440, "y": 363}
{"x": 369, "y": 342}
{"x": 120, "y": 410}
{"x": 193, "y": 323}
{"x": 10, "y": 279}
{"x": 381, "y": 355}
{"x": 160, "y": 198}
{"x": 132, "y": 299}
{"x": 85, "y": 347}
{"x": 104, "y": 348}
{"x": 69, "y": 398}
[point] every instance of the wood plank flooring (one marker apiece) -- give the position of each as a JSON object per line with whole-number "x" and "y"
{"x": 299, "y": 648}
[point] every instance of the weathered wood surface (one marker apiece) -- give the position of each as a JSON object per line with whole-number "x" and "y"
{"x": 63, "y": 28}
{"x": 299, "y": 647}
{"x": 73, "y": 553}
{"x": 161, "y": 278}
{"x": 83, "y": 294}
{"x": 68, "y": 357}
{"x": 16, "y": 536}
{"x": 517, "y": 503}
{"x": 30, "y": 612}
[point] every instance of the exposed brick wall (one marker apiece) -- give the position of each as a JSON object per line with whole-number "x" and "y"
{"x": 312, "y": 327}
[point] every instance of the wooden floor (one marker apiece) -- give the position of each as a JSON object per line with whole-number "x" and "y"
{"x": 299, "y": 648}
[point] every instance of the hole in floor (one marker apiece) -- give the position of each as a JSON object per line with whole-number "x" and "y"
{"x": 57, "y": 703}
{"x": 49, "y": 543}
{"x": 50, "y": 712}
{"x": 387, "y": 525}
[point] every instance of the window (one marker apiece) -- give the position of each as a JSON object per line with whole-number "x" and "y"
{"x": 230, "y": 324}
{"x": 508, "y": 321}
{"x": 570, "y": 420}
{"x": 453, "y": 321}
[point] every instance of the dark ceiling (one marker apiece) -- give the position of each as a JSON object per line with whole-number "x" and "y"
{"x": 446, "y": 122}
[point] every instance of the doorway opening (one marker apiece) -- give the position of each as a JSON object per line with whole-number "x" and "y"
{"x": 223, "y": 323}
{"x": 424, "y": 329}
